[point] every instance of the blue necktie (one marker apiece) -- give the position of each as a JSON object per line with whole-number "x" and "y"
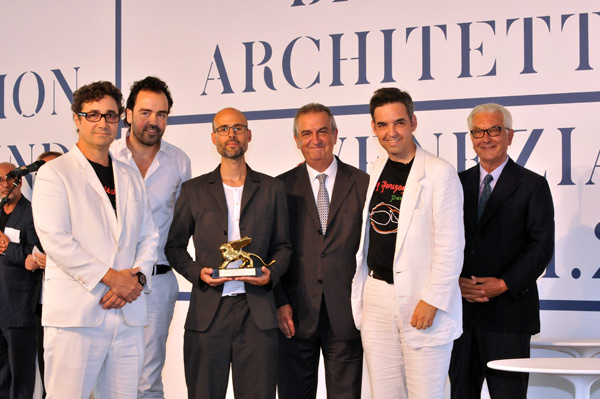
{"x": 485, "y": 195}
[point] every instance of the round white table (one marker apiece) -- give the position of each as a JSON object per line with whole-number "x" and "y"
{"x": 582, "y": 372}
{"x": 576, "y": 347}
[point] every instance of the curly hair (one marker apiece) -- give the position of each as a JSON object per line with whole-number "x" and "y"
{"x": 96, "y": 91}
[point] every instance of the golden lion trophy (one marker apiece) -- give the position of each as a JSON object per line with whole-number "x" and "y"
{"x": 231, "y": 252}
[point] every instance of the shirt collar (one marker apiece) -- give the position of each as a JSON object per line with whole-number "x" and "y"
{"x": 331, "y": 171}
{"x": 495, "y": 173}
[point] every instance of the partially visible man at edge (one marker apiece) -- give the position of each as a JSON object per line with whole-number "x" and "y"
{"x": 19, "y": 290}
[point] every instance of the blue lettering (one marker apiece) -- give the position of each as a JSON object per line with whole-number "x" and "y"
{"x": 286, "y": 64}
{"x": 16, "y": 94}
{"x": 60, "y": 78}
{"x": 218, "y": 62}
{"x": 268, "y": 74}
{"x": 337, "y": 58}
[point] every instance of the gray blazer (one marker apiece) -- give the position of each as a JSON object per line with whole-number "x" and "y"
{"x": 323, "y": 265}
{"x": 201, "y": 212}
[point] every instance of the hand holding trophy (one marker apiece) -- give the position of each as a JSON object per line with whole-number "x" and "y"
{"x": 231, "y": 252}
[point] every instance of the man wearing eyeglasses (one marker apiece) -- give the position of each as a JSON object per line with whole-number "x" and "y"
{"x": 231, "y": 322}
{"x": 92, "y": 215}
{"x": 509, "y": 230}
{"x": 19, "y": 291}
{"x": 164, "y": 168}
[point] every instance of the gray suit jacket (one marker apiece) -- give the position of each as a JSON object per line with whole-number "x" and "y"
{"x": 323, "y": 265}
{"x": 201, "y": 212}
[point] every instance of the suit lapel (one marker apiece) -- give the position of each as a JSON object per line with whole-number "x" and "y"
{"x": 508, "y": 182}
{"x": 410, "y": 198}
{"x": 250, "y": 186}
{"x": 92, "y": 179}
{"x": 122, "y": 188}
{"x": 215, "y": 187}
{"x": 341, "y": 188}
{"x": 471, "y": 192}
{"x": 303, "y": 189}
{"x": 16, "y": 214}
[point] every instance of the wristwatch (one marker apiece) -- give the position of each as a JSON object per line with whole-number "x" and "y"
{"x": 141, "y": 278}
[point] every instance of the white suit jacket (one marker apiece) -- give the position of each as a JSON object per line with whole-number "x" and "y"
{"x": 82, "y": 238}
{"x": 429, "y": 249}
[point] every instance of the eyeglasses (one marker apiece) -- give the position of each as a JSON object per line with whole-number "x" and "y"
{"x": 109, "y": 117}
{"x": 8, "y": 179}
{"x": 237, "y": 129}
{"x": 492, "y": 132}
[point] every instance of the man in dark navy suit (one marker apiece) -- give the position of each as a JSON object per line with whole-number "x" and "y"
{"x": 509, "y": 231}
{"x": 19, "y": 291}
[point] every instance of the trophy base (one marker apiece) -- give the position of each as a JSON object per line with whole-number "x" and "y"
{"x": 239, "y": 272}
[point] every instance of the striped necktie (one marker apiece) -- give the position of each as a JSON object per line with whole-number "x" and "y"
{"x": 485, "y": 195}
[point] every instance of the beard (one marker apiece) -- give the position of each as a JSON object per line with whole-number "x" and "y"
{"x": 145, "y": 139}
{"x": 233, "y": 153}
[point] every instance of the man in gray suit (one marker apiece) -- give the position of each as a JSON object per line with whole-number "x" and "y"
{"x": 231, "y": 322}
{"x": 325, "y": 200}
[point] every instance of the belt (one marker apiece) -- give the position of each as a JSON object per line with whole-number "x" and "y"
{"x": 161, "y": 269}
{"x": 376, "y": 275}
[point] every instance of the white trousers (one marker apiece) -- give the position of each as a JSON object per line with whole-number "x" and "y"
{"x": 397, "y": 371}
{"x": 161, "y": 304}
{"x": 106, "y": 359}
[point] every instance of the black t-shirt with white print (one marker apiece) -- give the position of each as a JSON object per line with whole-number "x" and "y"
{"x": 385, "y": 209}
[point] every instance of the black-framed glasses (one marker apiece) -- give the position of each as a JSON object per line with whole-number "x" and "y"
{"x": 8, "y": 179}
{"x": 237, "y": 129}
{"x": 109, "y": 117}
{"x": 492, "y": 132}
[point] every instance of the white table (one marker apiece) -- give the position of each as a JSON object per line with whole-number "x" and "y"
{"x": 576, "y": 347}
{"x": 582, "y": 372}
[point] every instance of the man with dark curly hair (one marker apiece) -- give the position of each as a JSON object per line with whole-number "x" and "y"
{"x": 92, "y": 215}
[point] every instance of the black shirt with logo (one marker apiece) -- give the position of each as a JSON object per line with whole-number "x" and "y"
{"x": 385, "y": 210}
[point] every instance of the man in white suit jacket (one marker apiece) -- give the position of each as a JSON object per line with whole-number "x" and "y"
{"x": 95, "y": 224}
{"x": 405, "y": 295}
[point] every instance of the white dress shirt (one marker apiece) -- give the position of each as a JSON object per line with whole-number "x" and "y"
{"x": 169, "y": 169}
{"x": 331, "y": 172}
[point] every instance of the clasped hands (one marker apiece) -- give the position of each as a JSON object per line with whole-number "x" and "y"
{"x": 481, "y": 289}
{"x": 124, "y": 288}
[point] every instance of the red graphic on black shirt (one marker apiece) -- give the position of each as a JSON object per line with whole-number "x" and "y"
{"x": 110, "y": 191}
{"x": 384, "y": 218}
{"x": 384, "y": 215}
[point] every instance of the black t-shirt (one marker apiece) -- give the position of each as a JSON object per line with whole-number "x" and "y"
{"x": 107, "y": 178}
{"x": 385, "y": 210}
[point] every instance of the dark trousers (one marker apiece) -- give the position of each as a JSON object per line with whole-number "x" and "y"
{"x": 17, "y": 362}
{"x": 233, "y": 339}
{"x": 299, "y": 364}
{"x": 468, "y": 364}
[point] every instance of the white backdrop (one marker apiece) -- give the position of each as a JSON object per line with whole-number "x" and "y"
{"x": 268, "y": 58}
